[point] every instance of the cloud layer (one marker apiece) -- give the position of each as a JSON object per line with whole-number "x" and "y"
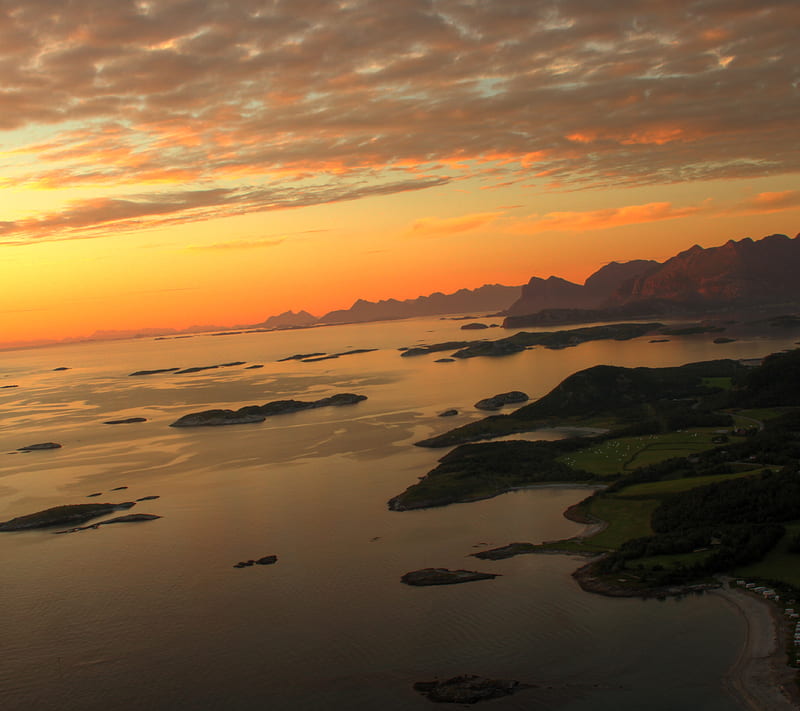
{"x": 264, "y": 104}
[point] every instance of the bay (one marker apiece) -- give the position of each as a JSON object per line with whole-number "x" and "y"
{"x": 154, "y": 613}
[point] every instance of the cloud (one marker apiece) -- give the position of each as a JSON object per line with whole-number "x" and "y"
{"x": 605, "y": 219}
{"x": 238, "y": 244}
{"x": 104, "y": 216}
{"x": 452, "y": 225}
{"x": 772, "y": 202}
{"x": 202, "y": 95}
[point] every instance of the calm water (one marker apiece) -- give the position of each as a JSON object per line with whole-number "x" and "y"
{"x": 154, "y": 613}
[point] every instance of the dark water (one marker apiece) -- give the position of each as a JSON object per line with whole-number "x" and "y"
{"x": 154, "y": 614}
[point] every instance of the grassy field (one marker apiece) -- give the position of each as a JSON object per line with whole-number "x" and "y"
{"x": 779, "y": 564}
{"x": 658, "y": 489}
{"x": 617, "y": 456}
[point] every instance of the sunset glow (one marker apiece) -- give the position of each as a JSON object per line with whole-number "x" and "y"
{"x": 182, "y": 162}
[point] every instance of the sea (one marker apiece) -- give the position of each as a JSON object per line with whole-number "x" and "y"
{"x": 155, "y": 615}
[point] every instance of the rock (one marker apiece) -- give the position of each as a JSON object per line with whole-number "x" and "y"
{"x": 197, "y": 369}
{"x": 119, "y": 488}
{"x": 506, "y": 551}
{"x": 253, "y": 367}
{"x": 258, "y": 413}
{"x": 448, "y": 413}
{"x": 60, "y": 368}
{"x": 445, "y": 360}
{"x": 443, "y": 576}
{"x": 474, "y": 326}
{"x": 469, "y": 689}
{"x": 300, "y": 356}
{"x": 148, "y": 498}
{"x": 723, "y": 339}
{"x": 41, "y": 445}
{"x": 128, "y": 518}
{"x": 129, "y": 420}
{"x": 497, "y": 401}
{"x": 153, "y": 372}
{"x": 89, "y": 496}
{"x": 267, "y": 560}
{"x": 5, "y": 387}
{"x": 61, "y": 515}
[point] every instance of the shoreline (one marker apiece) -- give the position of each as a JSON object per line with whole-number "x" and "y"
{"x": 761, "y": 677}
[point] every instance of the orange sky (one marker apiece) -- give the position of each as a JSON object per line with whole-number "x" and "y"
{"x": 166, "y": 163}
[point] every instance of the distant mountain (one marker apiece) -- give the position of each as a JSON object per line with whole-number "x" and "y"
{"x": 490, "y": 297}
{"x": 288, "y": 319}
{"x": 555, "y": 293}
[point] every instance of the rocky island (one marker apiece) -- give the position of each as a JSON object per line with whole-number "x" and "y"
{"x": 128, "y": 518}
{"x": 443, "y": 576}
{"x": 469, "y": 689}
{"x": 497, "y": 401}
{"x": 62, "y": 516}
{"x": 258, "y": 413}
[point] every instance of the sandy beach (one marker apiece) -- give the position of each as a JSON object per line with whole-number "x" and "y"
{"x": 761, "y": 678}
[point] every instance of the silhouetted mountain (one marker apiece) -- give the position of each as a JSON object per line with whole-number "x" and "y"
{"x": 743, "y": 272}
{"x": 288, "y": 319}
{"x": 490, "y": 297}
{"x": 555, "y": 293}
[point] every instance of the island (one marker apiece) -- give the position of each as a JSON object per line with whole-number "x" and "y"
{"x": 39, "y": 447}
{"x": 443, "y": 576}
{"x": 469, "y": 689}
{"x": 258, "y": 413}
{"x": 523, "y": 340}
{"x": 62, "y": 515}
{"x": 128, "y": 518}
{"x": 497, "y": 401}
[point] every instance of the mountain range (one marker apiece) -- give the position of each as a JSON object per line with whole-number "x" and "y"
{"x": 739, "y": 273}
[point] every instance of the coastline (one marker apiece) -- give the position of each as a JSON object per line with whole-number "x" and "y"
{"x": 761, "y": 677}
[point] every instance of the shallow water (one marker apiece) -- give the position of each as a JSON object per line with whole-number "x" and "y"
{"x": 155, "y": 614}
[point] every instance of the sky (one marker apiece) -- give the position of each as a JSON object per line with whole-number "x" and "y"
{"x": 169, "y": 163}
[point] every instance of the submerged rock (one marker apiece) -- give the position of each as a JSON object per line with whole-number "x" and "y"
{"x": 448, "y": 413}
{"x": 469, "y": 689}
{"x": 148, "y": 498}
{"x": 127, "y": 421}
{"x": 41, "y": 445}
{"x": 497, "y": 401}
{"x": 443, "y": 576}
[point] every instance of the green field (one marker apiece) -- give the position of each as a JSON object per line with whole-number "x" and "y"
{"x": 674, "y": 486}
{"x": 617, "y": 456}
{"x": 779, "y": 564}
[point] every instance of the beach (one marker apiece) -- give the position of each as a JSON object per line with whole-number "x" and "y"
{"x": 761, "y": 677}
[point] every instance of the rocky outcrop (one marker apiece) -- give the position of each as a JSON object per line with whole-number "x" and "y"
{"x": 497, "y": 401}
{"x": 469, "y": 689}
{"x": 265, "y": 560}
{"x": 157, "y": 371}
{"x": 443, "y": 576}
{"x": 507, "y": 551}
{"x": 40, "y": 446}
{"x": 62, "y": 515}
{"x": 128, "y": 518}
{"x": 258, "y": 413}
